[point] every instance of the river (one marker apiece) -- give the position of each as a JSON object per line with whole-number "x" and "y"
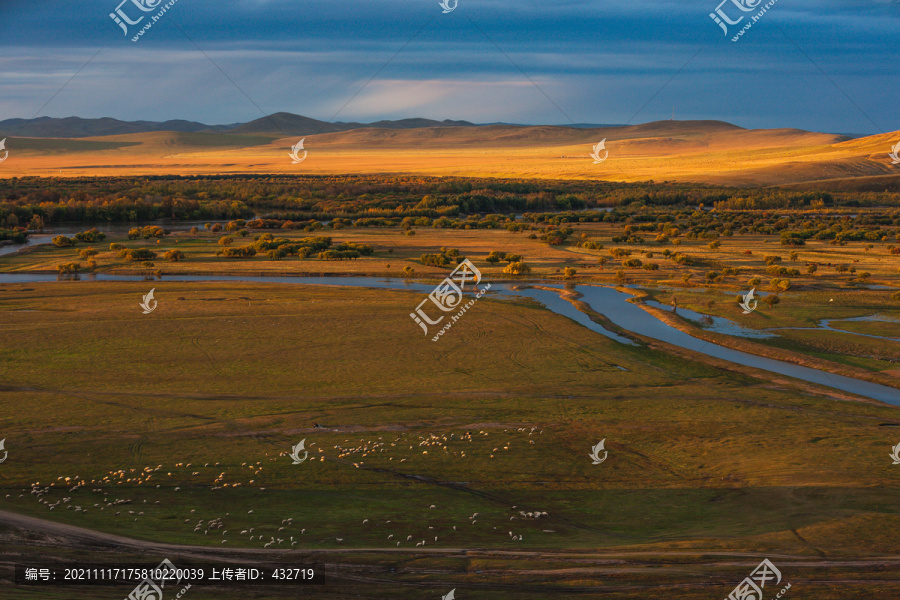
{"x": 605, "y": 300}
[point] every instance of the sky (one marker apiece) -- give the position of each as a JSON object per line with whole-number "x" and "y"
{"x": 822, "y": 65}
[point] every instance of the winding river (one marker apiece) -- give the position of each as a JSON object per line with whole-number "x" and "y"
{"x": 604, "y": 300}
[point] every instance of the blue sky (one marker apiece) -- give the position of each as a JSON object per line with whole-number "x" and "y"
{"x": 823, "y": 65}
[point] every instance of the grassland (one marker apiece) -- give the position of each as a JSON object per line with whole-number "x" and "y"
{"x": 208, "y": 394}
{"x": 170, "y": 428}
{"x": 692, "y": 151}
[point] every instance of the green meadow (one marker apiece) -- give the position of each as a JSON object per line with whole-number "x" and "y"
{"x": 175, "y": 427}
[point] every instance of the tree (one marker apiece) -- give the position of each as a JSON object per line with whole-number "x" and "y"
{"x": 62, "y": 241}
{"x": 226, "y": 240}
{"x": 811, "y": 269}
{"x": 174, "y": 255}
{"x": 88, "y": 252}
{"x": 569, "y": 272}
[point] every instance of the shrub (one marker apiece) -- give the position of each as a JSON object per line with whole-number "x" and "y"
{"x": 651, "y": 267}
{"x": 517, "y": 268}
{"x": 811, "y": 269}
{"x": 754, "y": 281}
{"x": 90, "y": 236}
{"x": 569, "y": 272}
{"x": 241, "y": 252}
{"x": 225, "y": 240}
{"x": 174, "y": 255}
{"x": 895, "y": 296}
{"x": 338, "y": 255}
{"x": 634, "y": 263}
{"x": 771, "y": 300}
{"x": 715, "y": 245}
{"x": 363, "y": 249}
{"x": 194, "y": 230}
{"x": 88, "y": 252}
{"x": 62, "y": 241}
{"x": 772, "y": 259}
{"x": 68, "y": 268}
{"x": 114, "y": 246}
{"x": 135, "y": 254}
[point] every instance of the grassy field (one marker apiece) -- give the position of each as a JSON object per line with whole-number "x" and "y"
{"x": 186, "y": 416}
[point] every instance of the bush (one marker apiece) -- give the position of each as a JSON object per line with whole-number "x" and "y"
{"x": 174, "y": 255}
{"x": 772, "y": 259}
{"x": 569, "y": 272}
{"x": 517, "y": 268}
{"x": 90, "y": 236}
{"x": 811, "y": 269}
{"x": 136, "y": 254}
{"x": 68, "y": 268}
{"x": 771, "y": 300}
{"x": 62, "y": 241}
{"x": 363, "y": 249}
{"x": 88, "y": 252}
{"x": 338, "y": 255}
{"x": 780, "y": 284}
{"x": 634, "y": 263}
{"x": 895, "y": 296}
{"x": 241, "y": 252}
{"x": 225, "y": 241}
{"x": 651, "y": 267}
{"x": 114, "y": 246}
{"x": 715, "y": 245}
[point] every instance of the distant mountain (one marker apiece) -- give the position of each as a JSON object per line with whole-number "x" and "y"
{"x": 290, "y": 124}
{"x": 76, "y": 127}
{"x": 278, "y": 124}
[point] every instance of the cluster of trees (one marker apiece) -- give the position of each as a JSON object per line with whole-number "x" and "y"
{"x": 447, "y": 257}
{"x": 308, "y": 197}
{"x": 494, "y": 257}
{"x": 19, "y": 235}
{"x": 89, "y": 236}
{"x": 146, "y": 232}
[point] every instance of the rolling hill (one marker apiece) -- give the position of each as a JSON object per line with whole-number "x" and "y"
{"x": 690, "y": 151}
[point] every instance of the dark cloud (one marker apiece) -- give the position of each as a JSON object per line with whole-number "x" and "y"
{"x": 598, "y": 62}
